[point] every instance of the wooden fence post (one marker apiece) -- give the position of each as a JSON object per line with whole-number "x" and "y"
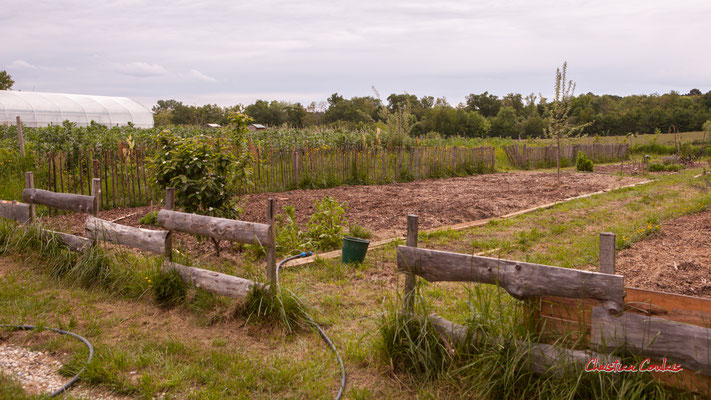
{"x": 607, "y": 253}
{"x": 20, "y": 138}
{"x": 30, "y": 184}
{"x": 410, "y": 278}
{"x": 169, "y": 205}
{"x": 96, "y": 192}
{"x": 271, "y": 250}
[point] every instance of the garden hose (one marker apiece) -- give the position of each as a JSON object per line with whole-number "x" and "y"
{"x": 89, "y": 346}
{"x": 318, "y": 328}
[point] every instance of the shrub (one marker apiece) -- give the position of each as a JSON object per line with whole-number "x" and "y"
{"x": 149, "y": 219}
{"x": 583, "y": 163}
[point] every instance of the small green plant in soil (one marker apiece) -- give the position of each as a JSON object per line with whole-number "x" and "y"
{"x": 656, "y": 167}
{"x": 325, "y": 228}
{"x": 149, "y": 219}
{"x": 583, "y": 163}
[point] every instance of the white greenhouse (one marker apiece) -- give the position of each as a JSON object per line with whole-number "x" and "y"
{"x": 43, "y": 109}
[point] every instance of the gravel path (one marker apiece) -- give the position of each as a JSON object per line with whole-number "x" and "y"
{"x": 38, "y": 373}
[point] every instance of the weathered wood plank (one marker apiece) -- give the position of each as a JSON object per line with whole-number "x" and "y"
{"x": 139, "y": 238}
{"x": 218, "y": 228}
{"x": 674, "y": 307}
{"x": 522, "y": 280}
{"x": 64, "y": 201}
{"x": 14, "y": 210}
{"x": 211, "y": 281}
{"x": 73, "y": 242}
{"x": 688, "y": 345}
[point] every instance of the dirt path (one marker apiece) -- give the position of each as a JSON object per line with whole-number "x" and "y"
{"x": 676, "y": 260}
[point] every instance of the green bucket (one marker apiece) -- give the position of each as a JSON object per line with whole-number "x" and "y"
{"x": 354, "y": 249}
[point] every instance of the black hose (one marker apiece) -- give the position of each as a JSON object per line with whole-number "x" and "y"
{"x": 313, "y": 323}
{"x": 67, "y": 385}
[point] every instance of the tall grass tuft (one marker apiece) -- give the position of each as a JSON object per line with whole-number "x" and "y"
{"x": 410, "y": 343}
{"x": 282, "y": 309}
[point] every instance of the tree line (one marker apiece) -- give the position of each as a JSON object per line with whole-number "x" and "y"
{"x": 480, "y": 115}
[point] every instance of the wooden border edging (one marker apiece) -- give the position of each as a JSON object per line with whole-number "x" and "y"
{"x": 64, "y": 201}
{"x": 520, "y": 279}
{"x": 14, "y": 210}
{"x": 688, "y": 345}
{"x": 218, "y": 228}
{"x": 211, "y": 281}
{"x": 543, "y": 358}
{"x": 139, "y": 238}
{"x": 462, "y": 225}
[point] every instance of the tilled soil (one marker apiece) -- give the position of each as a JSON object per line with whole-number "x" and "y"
{"x": 677, "y": 259}
{"x": 383, "y": 209}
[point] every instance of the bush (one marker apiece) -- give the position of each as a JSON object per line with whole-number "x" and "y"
{"x": 583, "y": 163}
{"x": 149, "y": 219}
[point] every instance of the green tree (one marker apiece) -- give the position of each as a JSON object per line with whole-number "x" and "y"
{"x": 6, "y": 81}
{"x": 505, "y": 124}
{"x": 558, "y": 112}
{"x": 707, "y": 130}
{"x": 486, "y": 104}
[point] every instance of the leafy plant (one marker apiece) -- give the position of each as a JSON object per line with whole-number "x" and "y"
{"x": 583, "y": 163}
{"x": 325, "y": 228}
{"x": 289, "y": 237}
{"x": 149, "y": 219}
{"x": 205, "y": 171}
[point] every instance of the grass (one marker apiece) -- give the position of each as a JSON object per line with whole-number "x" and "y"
{"x": 193, "y": 350}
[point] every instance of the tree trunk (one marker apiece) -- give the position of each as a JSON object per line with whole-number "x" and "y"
{"x": 557, "y": 160}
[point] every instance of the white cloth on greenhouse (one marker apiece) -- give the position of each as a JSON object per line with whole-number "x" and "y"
{"x": 42, "y": 109}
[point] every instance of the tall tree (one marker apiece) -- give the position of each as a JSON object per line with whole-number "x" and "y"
{"x": 6, "y": 81}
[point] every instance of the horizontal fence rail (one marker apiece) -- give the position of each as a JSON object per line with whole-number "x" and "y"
{"x": 541, "y": 157}
{"x": 520, "y": 279}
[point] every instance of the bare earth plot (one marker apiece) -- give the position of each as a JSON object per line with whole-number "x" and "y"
{"x": 383, "y": 209}
{"x": 677, "y": 259}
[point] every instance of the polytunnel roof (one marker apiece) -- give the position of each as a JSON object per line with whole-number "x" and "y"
{"x": 41, "y": 109}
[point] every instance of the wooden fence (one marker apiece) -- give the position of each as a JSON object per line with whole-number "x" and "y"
{"x": 542, "y": 157}
{"x": 155, "y": 241}
{"x": 573, "y": 304}
{"x": 278, "y": 170}
{"x": 124, "y": 174}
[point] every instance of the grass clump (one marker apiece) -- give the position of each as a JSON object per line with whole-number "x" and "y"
{"x": 410, "y": 343}
{"x": 359, "y": 231}
{"x": 168, "y": 288}
{"x": 282, "y": 309}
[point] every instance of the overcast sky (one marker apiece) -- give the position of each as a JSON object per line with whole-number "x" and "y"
{"x": 230, "y": 52}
